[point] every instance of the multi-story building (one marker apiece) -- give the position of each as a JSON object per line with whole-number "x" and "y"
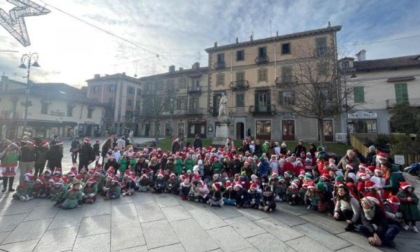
{"x": 52, "y": 109}
{"x": 174, "y": 103}
{"x": 377, "y": 86}
{"x": 122, "y": 95}
{"x": 251, "y": 74}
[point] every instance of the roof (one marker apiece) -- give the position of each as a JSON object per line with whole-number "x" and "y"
{"x": 117, "y": 76}
{"x": 412, "y": 61}
{"x": 190, "y": 71}
{"x": 276, "y": 38}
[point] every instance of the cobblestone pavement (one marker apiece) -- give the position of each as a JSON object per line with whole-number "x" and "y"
{"x": 161, "y": 222}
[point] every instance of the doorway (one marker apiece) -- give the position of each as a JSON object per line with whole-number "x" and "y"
{"x": 288, "y": 130}
{"x": 240, "y": 130}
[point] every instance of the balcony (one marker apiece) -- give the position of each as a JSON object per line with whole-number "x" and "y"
{"x": 284, "y": 82}
{"x": 239, "y": 85}
{"x": 410, "y": 102}
{"x": 213, "y": 111}
{"x": 194, "y": 90}
{"x": 219, "y": 65}
{"x": 195, "y": 111}
{"x": 262, "y": 59}
{"x": 264, "y": 110}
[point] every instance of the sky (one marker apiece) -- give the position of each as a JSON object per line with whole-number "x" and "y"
{"x": 81, "y": 38}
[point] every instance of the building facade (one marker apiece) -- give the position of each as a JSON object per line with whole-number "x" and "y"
{"x": 174, "y": 103}
{"x": 377, "y": 86}
{"x": 251, "y": 74}
{"x": 122, "y": 95}
{"x": 52, "y": 109}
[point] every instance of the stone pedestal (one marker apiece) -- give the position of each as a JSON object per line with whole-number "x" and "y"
{"x": 222, "y": 133}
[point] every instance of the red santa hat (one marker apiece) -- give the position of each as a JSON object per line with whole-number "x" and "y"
{"x": 253, "y": 186}
{"x": 228, "y": 184}
{"x": 57, "y": 170}
{"x": 362, "y": 166}
{"x": 310, "y": 184}
{"x": 349, "y": 166}
{"x": 160, "y": 174}
{"x": 295, "y": 183}
{"x": 132, "y": 176}
{"x": 404, "y": 185}
{"x": 86, "y": 140}
{"x": 370, "y": 169}
{"x": 325, "y": 175}
{"x": 371, "y": 200}
{"x": 74, "y": 170}
{"x": 364, "y": 175}
{"x": 115, "y": 179}
{"x": 369, "y": 184}
{"x": 237, "y": 185}
{"x": 44, "y": 144}
{"x": 91, "y": 180}
{"x": 394, "y": 200}
{"x": 217, "y": 185}
{"x": 382, "y": 156}
{"x": 378, "y": 171}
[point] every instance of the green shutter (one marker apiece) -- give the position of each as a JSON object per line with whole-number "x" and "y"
{"x": 359, "y": 94}
{"x": 401, "y": 94}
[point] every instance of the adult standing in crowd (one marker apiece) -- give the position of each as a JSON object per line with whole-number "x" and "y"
{"x": 351, "y": 159}
{"x": 96, "y": 151}
{"x": 198, "y": 143}
{"x": 86, "y": 155}
{"x": 41, "y": 157}
{"x": 9, "y": 159}
{"x": 299, "y": 148}
{"x": 27, "y": 158}
{"x": 54, "y": 156}
{"x": 121, "y": 143}
{"x": 371, "y": 156}
{"x": 75, "y": 146}
{"x": 175, "y": 147}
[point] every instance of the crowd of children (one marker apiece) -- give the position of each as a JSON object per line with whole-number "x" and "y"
{"x": 345, "y": 189}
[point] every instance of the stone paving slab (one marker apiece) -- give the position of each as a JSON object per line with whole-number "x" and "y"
{"x": 171, "y": 248}
{"x": 278, "y": 229}
{"x": 245, "y": 227}
{"x": 158, "y": 234}
{"x": 10, "y": 222}
{"x": 358, "y": 240}
{"x": 176, "y": 213}
{"x": 229, "y": 239}
{"x": 192, "y": 236}
{"x": 322, "y": 236}
{"x": 306, "y": 244}
{"x": 57, "y": 240}
{"x": 95, "y": 225}
{"x": 207, "y": 219}
{"x": 28, "y": 230}
{"x": 269, "y": 243}
{"x": 26, "y": 246}
{"x": 329, "y": 224}
{"x": 99, "y": 242}
{"x": 68, "y": 218}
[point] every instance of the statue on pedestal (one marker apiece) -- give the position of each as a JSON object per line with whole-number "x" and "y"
{"x": 223, "y": 109}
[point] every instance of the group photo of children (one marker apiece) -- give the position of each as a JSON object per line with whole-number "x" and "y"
{"x": 369, "y": 193}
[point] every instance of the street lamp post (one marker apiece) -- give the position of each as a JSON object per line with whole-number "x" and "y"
{"x": 26, "y": 63}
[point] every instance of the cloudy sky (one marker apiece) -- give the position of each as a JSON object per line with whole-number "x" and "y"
{"x": 80, "y": 38}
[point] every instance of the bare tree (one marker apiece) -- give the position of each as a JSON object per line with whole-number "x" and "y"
{"x": 315, "y": 87}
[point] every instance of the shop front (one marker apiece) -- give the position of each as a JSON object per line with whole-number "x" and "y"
{"x": 362, "y": 122}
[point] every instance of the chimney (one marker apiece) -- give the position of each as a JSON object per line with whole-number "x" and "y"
{"x": 171, "y": 68}
{"x": 123, "y": 73}
{"x": 361, "y": 56}
{"x": 237, "y": 40}
{"x": 277, "y": 33}
{"x": 196, "y": 65}
{"x": 181, "y": 68}
{"x": 252, "y": 38}
{"x": 215, "y": 44}
{"x": 97, "y": 76}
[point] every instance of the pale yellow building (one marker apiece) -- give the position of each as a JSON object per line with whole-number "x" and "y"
{"x": 252, "y": 72}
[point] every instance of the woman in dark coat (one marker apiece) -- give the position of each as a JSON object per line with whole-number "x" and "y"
{"x": 54, "y": 157}
{"x": 41, "y": 158}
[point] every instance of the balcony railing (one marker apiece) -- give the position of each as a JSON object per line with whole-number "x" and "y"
{"x": 195, "y": 111}
{"x": 262, "y": 60}
{"x": 269, "y": 109}
{"x": 219, "y": 65}
{"x": 239, "y": 85}
{"x": 284, "y": 82}
{"x": 194, "y": 90}
{"x": 410, "y": 102}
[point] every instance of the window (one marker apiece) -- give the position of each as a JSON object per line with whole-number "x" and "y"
{"x": 401, "y": 94}
{"x": 359, "y": 94}
{"x": 321, "y": 46}
{"x": 286, "y": 74}
{"x": 90, "y": 112}
{"x": 220, "y": 79}
{"x": 322, "y": 68}
{"x": 240, "y": 100}
{"x": 240, "y": 76}
{"x": 70, "y": 110}
{"x": 262, "y": 75}
{"x": 182, "y": 82}
{"x": 324, "y": 94}
{"x": 138, "y": 91}
{"x": 111, "y": 101}
{"x": 286, "y": 98}
{"x": 262, "y": 52}
{"x": 240, "y": 55}
{"x": 262, "y": 101}
{"x": 129, "y": 102}
{"x": 112, "y": 88}
{"x": 220, "y": 57}
{"x": 44, "y": 108}
{"x": 130, "y": 90}
{"x": 96, "y": 89}
{"x": 181, "y": 103}
{"x": 285, "y": 48}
